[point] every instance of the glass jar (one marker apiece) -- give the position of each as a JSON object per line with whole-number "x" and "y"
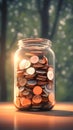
{"x": 34, "y": 75}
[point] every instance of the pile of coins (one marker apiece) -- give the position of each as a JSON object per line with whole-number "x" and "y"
{"x": 35, "y": 82}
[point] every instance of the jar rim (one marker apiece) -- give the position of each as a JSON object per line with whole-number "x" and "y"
{"x": 25, "y": 41}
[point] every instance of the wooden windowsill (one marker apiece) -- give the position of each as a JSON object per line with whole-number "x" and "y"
{"x": 60, "y": 118}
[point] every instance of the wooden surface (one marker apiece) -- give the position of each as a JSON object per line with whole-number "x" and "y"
{"x": 60, "y": 118}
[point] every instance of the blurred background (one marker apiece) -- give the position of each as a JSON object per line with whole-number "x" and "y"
{"x": 52, "y": 19}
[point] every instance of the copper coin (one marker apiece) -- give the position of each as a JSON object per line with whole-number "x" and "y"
{"x": 20, "y": 94}
{"x": 22, "y": 81}
{"x": 44, "y": 99}
{"x": 19, "y": 73}
{"x": 37, "y": 90}
{"x": 37, "y": 99}
{"x": 38, "y": 65}
{"x": 25, "y": 92}
{"x": 30, "y": 71}
{"x": 24, "y": 64}
{"x": 42, "y": 82}
{"x": 51, "y": 97}
{"x": 34, "y": 59}
{"x": 45, "y": 67}
{"x": 25, "y": 101}
{"x": 30, "y": 76}
{"x": 17, "y": 84}
{"x": 25, "y": 74}
{"x": 29, "y": 96}
{"x": 43, "y": 60}
{"x": 41, "y": 77}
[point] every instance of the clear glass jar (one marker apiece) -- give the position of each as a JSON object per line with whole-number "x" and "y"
{"x": 34, "y": 75}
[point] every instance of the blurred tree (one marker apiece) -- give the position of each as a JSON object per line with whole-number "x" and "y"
{"x": 3, "y": 88}
{"x": 43, "y": 9}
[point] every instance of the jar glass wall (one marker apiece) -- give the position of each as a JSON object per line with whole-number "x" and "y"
{"x": 34, "y": 75}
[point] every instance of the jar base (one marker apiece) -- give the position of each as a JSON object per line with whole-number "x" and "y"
{"x": 36, "y": 108}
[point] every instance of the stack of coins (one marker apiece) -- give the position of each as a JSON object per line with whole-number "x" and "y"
{"x": 35, "y": 82}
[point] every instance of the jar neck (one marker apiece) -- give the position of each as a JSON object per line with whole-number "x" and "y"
{"x": 37, "y": 43}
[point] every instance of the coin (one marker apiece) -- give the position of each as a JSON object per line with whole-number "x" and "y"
{"x": 31, "y": 83}
{"x": 29, "y": 96}
{"x": 45, "y": 93}
{"x": 30, "y": 71}
{"x": 37, "y": 99}
{"x": 50, "y": 75}
{"x": 45, "y": 67}
{"x": 43, "y": 60}
{"x": 38, "y": 65}
{"x": 24, "y": 64}
{"x": 37, "y": 90}
{"x": 19, "y": 73}
{"x": 21, "y": 89}
{"x": 44, "y": 99}
{"x": 22, "y": 81}
{"x": 25, "y": 92}
{"x": 48, "y": 87}
{"x": 51, "y": 97}
{"x": 34, "y": 59}
{"x": 25, "y": 102}
{"x": 30, "y": 76}
{"x": 40, "y": 71}
{"x": 41, "y": 78}
{"x": 42, "y": 82}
